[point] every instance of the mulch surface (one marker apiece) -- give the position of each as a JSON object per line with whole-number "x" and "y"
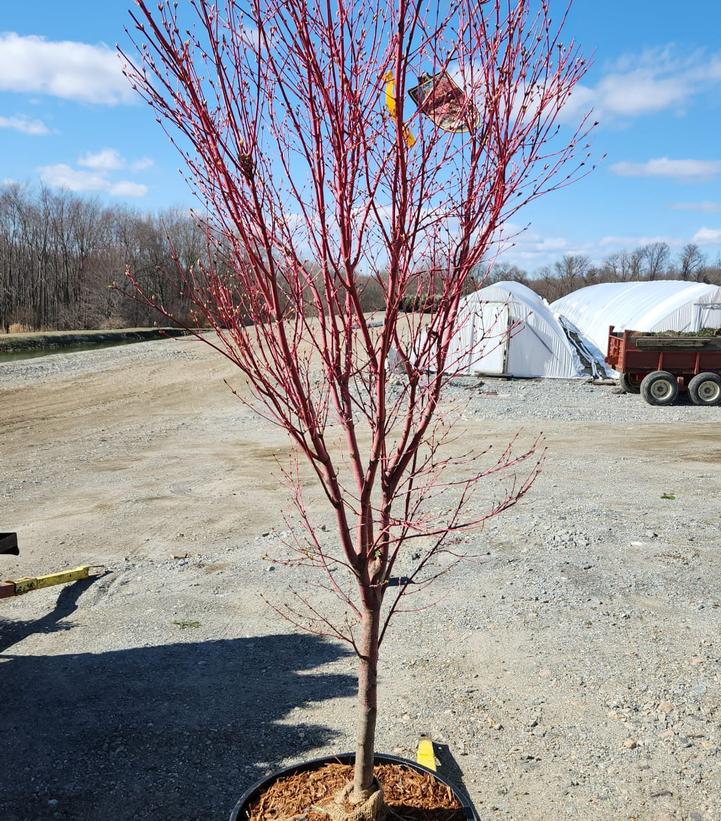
{"x": 409, "y": 795}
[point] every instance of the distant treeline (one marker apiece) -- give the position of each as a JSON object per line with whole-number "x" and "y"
{"x": 60, "y": 253}
{"x": 648, "y": 262}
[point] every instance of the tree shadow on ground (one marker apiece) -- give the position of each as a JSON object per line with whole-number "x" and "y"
{"x": 175, "y": 731}
{"x": 12, "y": 632}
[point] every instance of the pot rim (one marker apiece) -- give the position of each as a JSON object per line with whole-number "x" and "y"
{"x": 347, "y": 758}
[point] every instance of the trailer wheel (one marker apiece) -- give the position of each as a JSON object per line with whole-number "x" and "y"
{"x": 660, "y": 388}
{"x": 705, "y": 389}
{"x": 628, "y": 385}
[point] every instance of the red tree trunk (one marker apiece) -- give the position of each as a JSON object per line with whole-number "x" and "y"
{"x": 367, "y": 704}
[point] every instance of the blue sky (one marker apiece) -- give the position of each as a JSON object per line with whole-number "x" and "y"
{"x": 67, "y": 117}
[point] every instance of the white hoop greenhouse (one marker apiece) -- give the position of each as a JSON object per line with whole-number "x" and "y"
{"x": 661, "y": 305}
{"x": 506, "y": 329}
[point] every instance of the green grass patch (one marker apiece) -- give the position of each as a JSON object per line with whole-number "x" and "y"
{"x": 186, "y": 624}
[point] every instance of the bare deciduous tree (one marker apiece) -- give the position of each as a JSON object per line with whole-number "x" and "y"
{"x": 654, "y": 258}
{"x": 572, "y": 269}
{"x": 278, "y": 111}
{"x": 691, "y": 262}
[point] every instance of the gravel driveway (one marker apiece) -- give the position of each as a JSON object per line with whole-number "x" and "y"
{"x": 572, "y": 668}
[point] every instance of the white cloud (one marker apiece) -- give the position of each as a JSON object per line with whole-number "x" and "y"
{"x": 106, "y": 160}
{"x": 708, "y": 236}
{"x": 64, "y": 176}
{"x": 696, "y": 170}
{"x": 533, "y": 246}
{"x": 125, "y": 188}
{"x": 96, "y": 173}
{"x": 630, "y": 242}
{"x": 705, "y": 207}
{"x": 67, "y": 69}
{"x": 109, "y": 159}
{"x": 647, "y": 83}
{"x": 520, "y": 246}
{"x": 531, "y": 251}
{"x": 143, "y": 164}
{"x": 25, "y": 125}
{"x": 639, "y": 92}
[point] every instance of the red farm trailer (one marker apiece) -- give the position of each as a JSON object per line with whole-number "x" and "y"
{"x": 660, "y": 366}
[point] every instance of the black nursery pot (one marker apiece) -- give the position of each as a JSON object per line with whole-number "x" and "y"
{"x": 240, "y": 810}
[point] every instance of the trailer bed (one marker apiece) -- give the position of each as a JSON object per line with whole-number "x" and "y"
{"x": 675, "y": 363}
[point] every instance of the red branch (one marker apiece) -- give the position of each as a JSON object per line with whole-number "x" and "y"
{"x": 312, "y": 193}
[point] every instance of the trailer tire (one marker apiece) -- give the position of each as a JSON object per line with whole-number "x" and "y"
{"x": 660, "y": 388}
{"x": 627, "y": 385}
{"x": 705, "y": 389}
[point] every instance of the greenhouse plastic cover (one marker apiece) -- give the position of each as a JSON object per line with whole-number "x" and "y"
{"x": 661, "y": 305}
{"x": 537, "y": 345}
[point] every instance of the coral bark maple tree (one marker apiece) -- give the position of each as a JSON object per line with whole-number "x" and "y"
{"x": 319, "y": 180}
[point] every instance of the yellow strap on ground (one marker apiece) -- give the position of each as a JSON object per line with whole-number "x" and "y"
{"x": 425, "y": 755}
{"x": 38, "y": 582}
{"x": 391, "y": 106}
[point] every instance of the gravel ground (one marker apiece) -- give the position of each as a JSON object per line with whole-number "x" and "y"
{"x": 566, "y": 400}
{"x": 572, "y": 668}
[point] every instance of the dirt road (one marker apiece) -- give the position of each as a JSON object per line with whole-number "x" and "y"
{"x": 573, "y": 670}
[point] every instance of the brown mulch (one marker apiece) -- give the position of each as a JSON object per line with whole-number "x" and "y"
{"x": 409, "y": 795}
